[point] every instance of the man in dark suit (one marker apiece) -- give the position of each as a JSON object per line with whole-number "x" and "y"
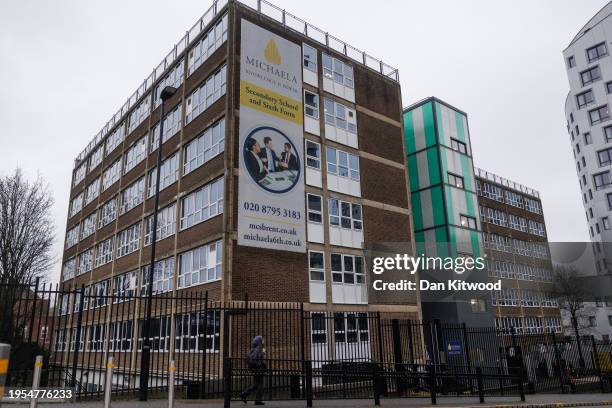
{"x": 268, "y": 155}
{"x": 252, "y": 159}
{"x": 288, "y": 160}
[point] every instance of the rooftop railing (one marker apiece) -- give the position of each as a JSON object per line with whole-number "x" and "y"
{"x": 505, "y": 182}
{"x": 264, "y": 8}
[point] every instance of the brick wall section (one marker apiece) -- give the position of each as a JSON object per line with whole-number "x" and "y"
{"x": 383, "y": 183}
{"x": 380, "y": 138}
{"x": 269, "y": 275}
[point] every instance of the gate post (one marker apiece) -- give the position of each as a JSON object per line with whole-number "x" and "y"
{"x": 227, "y": 382}
{"x": 398, "y": 357}
{"x": 308, "y": 385}
{"x": 432, "y": 383}
{"x": 5, "y": 350}
{"x": 596, "y": 364}
{"x": 559, "y": 369}
{"x": 480, "y": 384}
{"x": 75, "y": 356}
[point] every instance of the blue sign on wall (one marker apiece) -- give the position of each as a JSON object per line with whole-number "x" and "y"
{"x": 453, "y": 348}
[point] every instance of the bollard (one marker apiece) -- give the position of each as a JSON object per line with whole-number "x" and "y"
{"x": 5, "y": 351}
{"x": 108, "y": 383}
{"x": 171, "y": 373}
{"x": 38, "y": 364}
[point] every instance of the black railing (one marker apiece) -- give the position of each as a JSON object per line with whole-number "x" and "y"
{"x": 344, "y": 354}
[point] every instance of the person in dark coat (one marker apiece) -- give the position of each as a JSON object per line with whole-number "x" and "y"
{"x": 253, "y": 162}
{"x": 257, "y": 364}
{"x": 268, "y": 155}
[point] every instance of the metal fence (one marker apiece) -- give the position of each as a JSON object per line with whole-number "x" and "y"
{"x": 310, "y": 354}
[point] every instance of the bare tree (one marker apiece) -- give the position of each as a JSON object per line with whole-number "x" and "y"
{"x": 26, "y": 240}
{"x": 570, "y": 291}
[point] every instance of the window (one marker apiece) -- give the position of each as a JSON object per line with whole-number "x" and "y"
{"x": 344, "y": 214}
{"x": 311, "y": 104}
{"x": 517, "y": 223}
{"x": 168, "y": 175}
{"x": 108, "y": 212}
{"x": 121, "y": 336}
{"x": 174, "y": 78}
{"x": 203, "y": 148}
{"x": 202, "y": 204}
{"x": 584, "y": 99}
{"x": 351, "y": 327}
{"x": 492, "y": 191}
{"x": 602, "y": 180}
{"x": 163, "y": 272}
{"x": 316, "y": 266}
{"x": 211, "y": 41}
{"x": 467, "y": 221}
{"x": 592, "y": 321}
{"x": 533, "y": 205}
{"x": 69, "y": 269}
{"x": 338, "y": 71}
{"x": 172, "y": 124}
{"x": 206, "y": 94}
{"x": 608, "y": 133}
{"x": 104, "y": 252}
{"x": 166, "y": 224}
{"x": 313, "y": 154}
{"x": 92, "y": 191}
{"x": 97, "y": 337}
{"x": 79, "y": 174}
{"x": 599, "y": 115}
{"x": 577, "y": 147}
{"x": 596, "y": 52}
{"x": 128, "y": 240}
{"x": 495, "y": 216}
{"x": 315, "y": 209}
{"x": 198, "y": 332}
{"x": 200, "y": 265}
{"x": 124, "y": 286}
{"x": 135, "y": 154}
{"x": 458, "y": 146}
{"x": 340, "y": 116}
{"x": 342, "y": 164}
{"x": 85, "y": 261}
{"x": 513, "y": 199}
{"x": 139, "y": 114}
{"x": 571, "y": 61}
{"x": 605, "y": 157}
{"x": 536, "y": 228}
{"x": 589, "y": 76}
{"x": 310, "y": 57}
{"x": 72, "y": 237}
{"x": 160, "y": 327}
{"x": 132, "y": 195}
{"x": 95, "y": 158}
{"x": 111, "y": 175}
{"x": 347, "y": 269}
{"x": 455, "y": 180}
{"x": 89, "y": 226}
{"x": 587, "y": 138}
{"x": 115, "y": 139}
{"x": 605, "y": 221}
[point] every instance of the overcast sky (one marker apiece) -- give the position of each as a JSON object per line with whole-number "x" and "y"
{"x": 67, "y": 66}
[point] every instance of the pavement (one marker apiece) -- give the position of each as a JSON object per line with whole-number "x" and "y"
{"x": 533, "y": 401}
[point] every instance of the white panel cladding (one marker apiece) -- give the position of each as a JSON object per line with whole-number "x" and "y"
{"x": 343, "y": 185}
{"x": 341, "y": 136}
{"x": 351, "y": 294}
{"x": 345, "y": 237}
{"x": 315, "y": 232}
{"x": 311, "y": 125}
{"x": 313, "y": 177}
{"x": 317, "y": 292}
{"x": 310, "y": 77}
{"x": 337, "y": 89}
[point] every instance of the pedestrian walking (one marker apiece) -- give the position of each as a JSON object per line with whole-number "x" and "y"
{"x": 257, "y": 365}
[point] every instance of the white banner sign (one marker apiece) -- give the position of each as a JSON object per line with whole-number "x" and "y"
{"x": 271, "y": 183}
